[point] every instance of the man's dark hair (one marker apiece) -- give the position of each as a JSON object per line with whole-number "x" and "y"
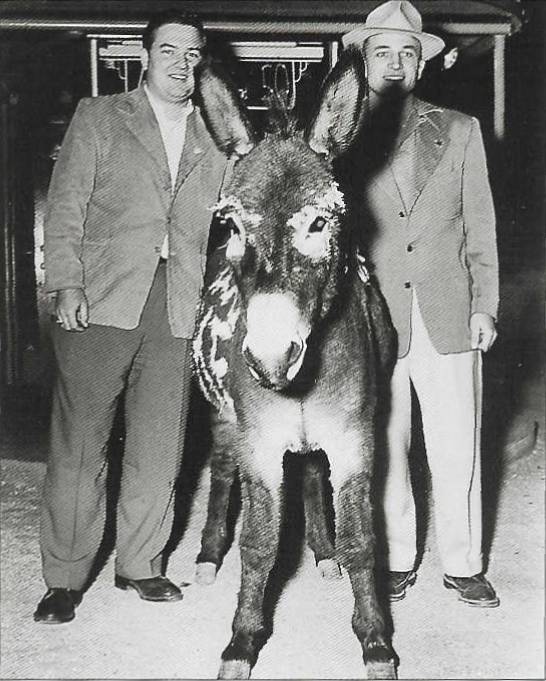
{"x": 169, "y": 16}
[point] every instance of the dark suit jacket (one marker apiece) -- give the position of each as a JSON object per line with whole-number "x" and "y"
{"x": 427, "y": 223}
{"x": 110, "y": 206}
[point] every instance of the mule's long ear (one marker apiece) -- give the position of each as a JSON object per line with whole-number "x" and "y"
{"x": 223, "y": 111}
{"x": 336, "y": 122}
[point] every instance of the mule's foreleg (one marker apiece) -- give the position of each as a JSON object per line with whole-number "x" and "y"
{"x": 223, "y": 468}
{"x": 355, "y": 551}
{"x": 258, "y": 544}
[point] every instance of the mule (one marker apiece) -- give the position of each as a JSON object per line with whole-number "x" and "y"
{"x": 290, "y": 341}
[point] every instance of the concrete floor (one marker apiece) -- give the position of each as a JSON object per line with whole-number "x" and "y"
{"x": 117, "y": 636}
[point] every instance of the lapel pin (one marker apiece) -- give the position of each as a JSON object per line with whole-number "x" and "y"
{"x": 197, "y": 150}
{"x": 438, "y": 143}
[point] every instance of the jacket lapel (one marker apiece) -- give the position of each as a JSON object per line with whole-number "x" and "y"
{"x": 431, "y": 143}
{"x": 388, "y": 179}
{"x": 385, "y": 179}
{"x": 423, "y": 137}
{"x": 140, "y": 119}
{"x": 196, "y": 144}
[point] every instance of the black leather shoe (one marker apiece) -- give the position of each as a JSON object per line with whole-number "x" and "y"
{"x": 152, "y": 589}
{"x": 58, "y": 606}
{"x": 398, "y": 582}
{"x": 475, "y": 590}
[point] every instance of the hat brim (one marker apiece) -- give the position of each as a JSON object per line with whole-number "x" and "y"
{"x": 431, "y": 44}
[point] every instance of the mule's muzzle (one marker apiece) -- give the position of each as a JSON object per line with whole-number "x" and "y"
{"x": 276, "y": 372}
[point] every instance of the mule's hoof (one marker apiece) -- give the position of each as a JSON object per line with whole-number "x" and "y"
{"x": 329, "y": 569}
{"x": 234, "y": 669}
{"x": 205, "y": 573}
{"x": 381, "y": 670}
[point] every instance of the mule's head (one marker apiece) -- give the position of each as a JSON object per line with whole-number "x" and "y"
{"x": 285, "y": 215}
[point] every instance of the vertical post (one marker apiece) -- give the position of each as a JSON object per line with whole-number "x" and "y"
{"x": 499, "y": 86}
{"x": 9, "y": 370}
{"x": 333, "y": 53}
{"x": 94, "y": 63}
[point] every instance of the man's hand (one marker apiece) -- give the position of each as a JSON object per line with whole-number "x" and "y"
{"x": 72, "y": 310}
{"x": 482, "y": 331}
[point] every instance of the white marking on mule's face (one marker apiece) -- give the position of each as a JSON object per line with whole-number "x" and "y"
{"x": 313, "y": 223}
{"x": 230, "y": 209}
{"x": 313, "y": 244}
{"x": 273, "y": 323}
{"x": 236, "y": 245}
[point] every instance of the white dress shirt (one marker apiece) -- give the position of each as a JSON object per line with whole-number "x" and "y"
{"x": 173, "y": 134}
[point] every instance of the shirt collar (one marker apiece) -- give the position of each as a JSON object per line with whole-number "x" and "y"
{"x": 158, "y": 109}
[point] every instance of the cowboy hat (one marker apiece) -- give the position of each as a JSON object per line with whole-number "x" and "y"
{"x": 399, "y": 16}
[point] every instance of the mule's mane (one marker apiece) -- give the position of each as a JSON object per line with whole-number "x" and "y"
{"x": 280, "y": 119}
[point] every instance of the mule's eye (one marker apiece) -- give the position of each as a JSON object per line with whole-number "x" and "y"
{"x": 229, "y": 223}
{"x": 318, "y": 224}
{"x": 236, "y": 243}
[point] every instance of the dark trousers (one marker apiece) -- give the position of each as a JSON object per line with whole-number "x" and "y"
{"x": 94, "y": 366}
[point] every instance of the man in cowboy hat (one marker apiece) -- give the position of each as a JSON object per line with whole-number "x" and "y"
{"x": 426, "y": 220}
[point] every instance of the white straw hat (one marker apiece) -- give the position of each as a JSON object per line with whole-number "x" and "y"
{"x": 395, "y": 15}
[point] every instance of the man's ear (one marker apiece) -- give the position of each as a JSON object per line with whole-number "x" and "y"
{"x": 421, "y": 68}
{"x": 144, "y": 58}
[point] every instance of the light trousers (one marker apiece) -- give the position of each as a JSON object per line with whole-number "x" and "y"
{"x": 449, "y": 390}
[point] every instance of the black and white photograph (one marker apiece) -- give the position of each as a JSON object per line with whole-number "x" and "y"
{"x": 272, "y": 339}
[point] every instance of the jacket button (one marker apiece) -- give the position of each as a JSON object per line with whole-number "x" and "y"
{"x": 169, "y": 220}
{"x": 407, "y": 284}
{"x": 401, "y": 214}
{"x": 157, "y": 249}
{"x": 410, "y": 248}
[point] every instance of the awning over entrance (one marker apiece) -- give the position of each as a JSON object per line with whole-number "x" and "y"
{"x": 286, "y": 16}
{"x": 473, "y": 26}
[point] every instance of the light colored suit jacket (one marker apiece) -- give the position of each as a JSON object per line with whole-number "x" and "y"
{"x": 428, "y": 226}
{"x": 110, "y": 205}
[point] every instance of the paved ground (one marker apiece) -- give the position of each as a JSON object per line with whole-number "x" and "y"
{"x": 115, "y": 635}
